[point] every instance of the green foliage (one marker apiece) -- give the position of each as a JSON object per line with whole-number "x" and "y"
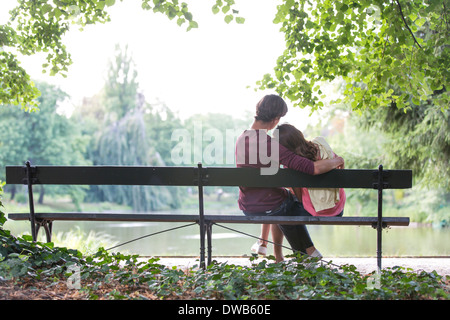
{"x": 216, "y": 130}
{"x": 417, "y": 139}
{"x": 386, "y": 51}
{"x": 172, "y": 9}
{"x": 121, "y": 87}
{"x": 44, "y": 137}
{"x": 86, "y": 243}
{"x": 125, "y": 143}
{"x": 125, "y": 131}
{"x": 40, "y": 26}
{"x": 16, "y": 87}
{"x": 21, "y": 257}
{"x": 226, "y": 7}
{"x": 160, "y": 123}
{"x": 119, "y": 276}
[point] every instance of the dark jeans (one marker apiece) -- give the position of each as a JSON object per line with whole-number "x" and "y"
{"x": 297, "y": 235}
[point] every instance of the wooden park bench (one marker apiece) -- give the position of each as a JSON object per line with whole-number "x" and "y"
{"x": 201, "y": 177}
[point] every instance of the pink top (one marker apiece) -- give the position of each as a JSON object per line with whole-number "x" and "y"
{"x": 303, "y": 194}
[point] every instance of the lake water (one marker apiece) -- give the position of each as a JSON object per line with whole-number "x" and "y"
{"x": 332, "y": 241}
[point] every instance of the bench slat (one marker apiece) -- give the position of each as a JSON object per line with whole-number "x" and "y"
{"x": 213, "y": 176}
{"x": 390, "y": 221}
{"x": 105, "y": 175}
{"x": 347, "y": 178}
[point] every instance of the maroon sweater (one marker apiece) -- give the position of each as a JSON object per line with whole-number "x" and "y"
{"x": 265, "y": 199}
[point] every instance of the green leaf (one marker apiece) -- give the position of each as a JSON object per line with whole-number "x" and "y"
{"x": 339, "y": 17}
{"x": 46, "y": 8}
{"x": 240, "y": 20}
{"x": 310, "y": 25}
{"x": 192, "y": 25}
{"x": 228, "y": 18}
{"x": 420, "y": 22}
{"x": 57, "y": 13}
{"x": 100, "y": 5}
{"x": 188, "y": 16}
{"x": 215, "y": 9}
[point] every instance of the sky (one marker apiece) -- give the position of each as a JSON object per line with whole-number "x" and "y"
{"x": 204, "y": 70}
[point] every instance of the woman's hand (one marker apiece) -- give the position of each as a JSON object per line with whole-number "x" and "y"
{"x": 341, "y": 166}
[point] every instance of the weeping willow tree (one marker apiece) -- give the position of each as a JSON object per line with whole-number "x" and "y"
{"x": 122, "y": 139}
{"x": 125, "y": 142}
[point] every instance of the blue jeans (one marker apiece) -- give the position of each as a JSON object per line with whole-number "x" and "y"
{"x": 297, "y": 234}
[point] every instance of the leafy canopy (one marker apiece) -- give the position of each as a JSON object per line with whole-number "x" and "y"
{"x": 387, "y": 51}
{"x": 39, "y": 26}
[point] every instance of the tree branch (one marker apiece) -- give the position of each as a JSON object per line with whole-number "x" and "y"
{"x": 407, "y": 27}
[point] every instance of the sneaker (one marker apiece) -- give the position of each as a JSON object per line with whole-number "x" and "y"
{"x": 259, "y": 248}
{"x": 316, "y": 255}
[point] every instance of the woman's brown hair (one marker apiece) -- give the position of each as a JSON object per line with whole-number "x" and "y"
{"x": 270, "y": 107}
{"x": 293, "y": 139}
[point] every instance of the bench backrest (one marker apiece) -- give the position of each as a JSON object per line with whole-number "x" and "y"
{"x": 206, "y": 176}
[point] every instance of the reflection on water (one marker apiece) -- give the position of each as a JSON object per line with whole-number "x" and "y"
{"x": 332, "y": 241}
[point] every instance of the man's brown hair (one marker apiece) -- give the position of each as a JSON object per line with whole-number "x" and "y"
{"x": 270, "y": 107}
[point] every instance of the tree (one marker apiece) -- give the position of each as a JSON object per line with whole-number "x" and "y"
{"x": 161, "y": 123}
{"x": 418, "y": 139}
{"x": 386, "y": 51}
{"x": 120, "y": 123}
{"x": 391, "y": 59}
{"x": 213, "y": 137}
{"x": 121, "y": 86}
{"x": 39, "y": 26}
{"x": 44, "y": 137}
{"x": 125, "y": 142}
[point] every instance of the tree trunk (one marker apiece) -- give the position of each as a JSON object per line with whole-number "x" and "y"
{"x": 13, "y": 192}
{"x": 41, "y": 195}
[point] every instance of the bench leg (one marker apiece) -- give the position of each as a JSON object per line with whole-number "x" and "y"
{"x": 380, "y": 215}
{"x": 34, "y": 227}
{"x": 47, "y": 225}
{"x": 48, "y": 230}
{"x": 209, "y": 240}
{"x": 201, "y": 221}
